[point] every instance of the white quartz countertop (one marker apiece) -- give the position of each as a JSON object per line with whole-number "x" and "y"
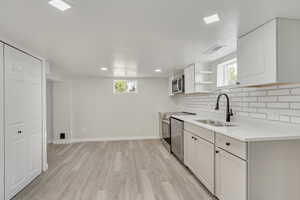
{"x": 247, "y": 130}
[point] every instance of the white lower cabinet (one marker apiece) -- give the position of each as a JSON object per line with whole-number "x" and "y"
{"x": 188, "y": 149}
{"x": 230, "y": 176}
{"x": 204, "y": 162}
{"x": 237, "y": 170}
{"x": 199, "y": 157}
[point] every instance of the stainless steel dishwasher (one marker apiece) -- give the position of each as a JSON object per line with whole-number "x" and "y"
{"x": 177, "y": 142}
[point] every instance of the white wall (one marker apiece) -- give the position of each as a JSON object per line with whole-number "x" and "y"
{"x": 97, "y": 113}
{"x": 62, "y": 108}
{"x": 49, "y": 96}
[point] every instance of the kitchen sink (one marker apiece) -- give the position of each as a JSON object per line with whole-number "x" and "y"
{"x": 215, "y": 123}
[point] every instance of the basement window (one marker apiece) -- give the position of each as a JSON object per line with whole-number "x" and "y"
{"x": 124, "y": 86}
{"x": 227, "y": 73}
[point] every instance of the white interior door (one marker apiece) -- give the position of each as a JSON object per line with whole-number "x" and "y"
{"x": 23, "y": 119}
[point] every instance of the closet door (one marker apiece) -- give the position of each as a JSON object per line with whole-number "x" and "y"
{"x": 23, "y": 141}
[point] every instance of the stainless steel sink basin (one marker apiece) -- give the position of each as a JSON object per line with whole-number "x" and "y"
{"x": 215, "y": 123}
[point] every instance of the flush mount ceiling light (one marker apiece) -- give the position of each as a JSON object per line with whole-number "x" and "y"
{"x": 211, "y": 19}
{"x": 60, "y": 4}
{"x": 157, "y": 70}
{"x": 104, "y": 68}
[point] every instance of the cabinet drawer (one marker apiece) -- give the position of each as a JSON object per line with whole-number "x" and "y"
{"x": 231, "y": 145}
{"x": 201, "y": 132}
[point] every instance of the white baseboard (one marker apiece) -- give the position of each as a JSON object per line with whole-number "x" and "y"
{"x": 61, "y": 141}
{"x": 45, "y": 168}
{"x": 102, "y": 139}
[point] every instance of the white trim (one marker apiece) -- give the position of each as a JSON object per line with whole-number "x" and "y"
{"x": 104, "y": 139}
{"x": 61, "y": 142}
{"x": 44, "y": 118}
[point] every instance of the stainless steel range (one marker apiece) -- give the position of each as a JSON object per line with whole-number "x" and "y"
{"x": 165, "y": 127}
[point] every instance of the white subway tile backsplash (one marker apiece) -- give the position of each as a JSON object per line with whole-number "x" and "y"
{"x": 295, "y": 91}
{"x": 257, "y": 105}
{"x": 279, "y": 92}
{"x": 277, "y": 103}
{"x": 295, "y": 120}
{"x": 289, "y": 98}
{"x": 244, "y": 114}
{"x": 267, "y": 99}
{"x": 284, "y": 118}
{"x": 273, "y": 116}
{"x": 250, "y": 99}
{"x": 295, "y": 105}
{"x": 258, "y": 115}
{"x": 248, "y": 109}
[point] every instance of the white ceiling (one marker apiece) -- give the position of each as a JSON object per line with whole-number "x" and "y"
{"x": 134, "y": 37}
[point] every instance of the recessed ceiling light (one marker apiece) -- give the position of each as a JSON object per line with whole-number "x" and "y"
{"x": 157, "y": 70}
{"x": 104, "y": 68}
{"x": 211, "y": 19}
{"x": 60, "y": 4}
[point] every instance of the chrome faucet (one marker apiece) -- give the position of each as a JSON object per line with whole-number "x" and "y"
{"x": 229, "y": 112}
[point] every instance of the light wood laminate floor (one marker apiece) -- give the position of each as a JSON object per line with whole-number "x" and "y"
{"x": 119, "y": 170}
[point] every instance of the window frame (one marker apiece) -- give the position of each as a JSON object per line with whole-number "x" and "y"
{"x": 221, "y": 70}
{"x": 125, "y": 92}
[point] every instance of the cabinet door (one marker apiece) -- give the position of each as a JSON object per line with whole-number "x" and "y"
{"x": 257, "y": 56}
{"x": 231, "y": 176}
{"x": 188, "y": 149}
{"x": 203, "y": 162}
{"x": 189, "y": 79}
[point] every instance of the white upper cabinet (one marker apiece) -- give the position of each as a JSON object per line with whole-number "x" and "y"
{"x": 189, "y": 79}
{"x": 268, "y": 54}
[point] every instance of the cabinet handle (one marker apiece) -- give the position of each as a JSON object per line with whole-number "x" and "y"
{"x": 238, "y": 83}
{"x": 217, "y": 151}
{"x": 228, "y": 143}
{"x": 19, "y": 132}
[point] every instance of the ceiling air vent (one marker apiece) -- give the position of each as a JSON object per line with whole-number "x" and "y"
{"x": 214, "y": 49}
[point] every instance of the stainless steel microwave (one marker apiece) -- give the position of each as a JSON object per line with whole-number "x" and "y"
{"x": 178, "y": 84}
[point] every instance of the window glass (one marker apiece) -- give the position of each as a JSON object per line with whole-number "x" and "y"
{"x": 227, "y": 73}
{"x": 124, "y": 86}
